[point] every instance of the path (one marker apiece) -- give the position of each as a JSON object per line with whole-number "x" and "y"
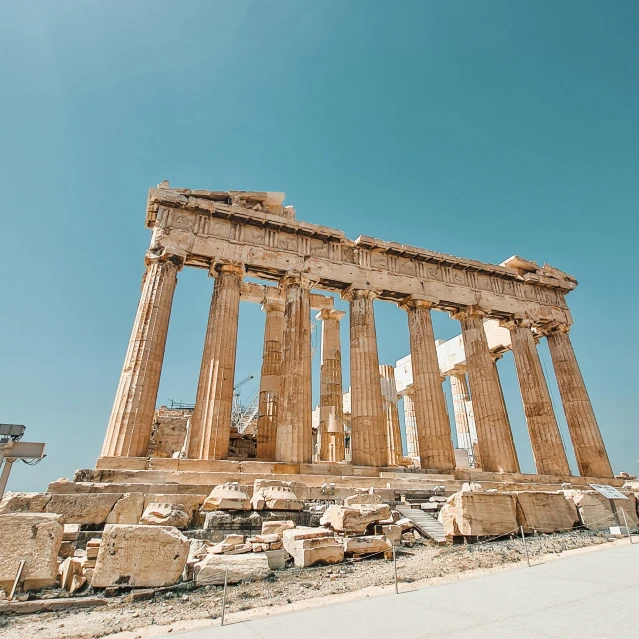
{"x": 589, "y": 595}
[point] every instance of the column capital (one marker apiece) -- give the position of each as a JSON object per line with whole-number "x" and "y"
{"x": 236, "y": 268}
{"x": 458, "y": 371}
{"x": 295, "y": 278}
{"x": 330, "y": 314}
{"x": 552, "y": 327}
{"x": 418, "y": 301}
{"x": 359, "y": 291}
{"x": 474, "y": 310}
{"x": 174, "y": 256}
{"x": 273, "y": 306}
{"x": 516, "y": 321}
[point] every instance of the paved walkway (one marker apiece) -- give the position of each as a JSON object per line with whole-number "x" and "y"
{"x": 595, "y": 594}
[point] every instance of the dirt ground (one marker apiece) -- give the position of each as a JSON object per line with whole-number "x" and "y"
{"x": 291, "y": 589}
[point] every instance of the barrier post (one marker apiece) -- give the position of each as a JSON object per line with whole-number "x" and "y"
{"x": 395, "y": 569}
{"x": 625, "y": 521}
{"x": 523, "y": 538}
{"x": 226, "y": 574}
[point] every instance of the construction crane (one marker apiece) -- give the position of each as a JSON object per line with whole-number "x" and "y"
{"x": 237, "y": 410}
{"x": 12, "y": 449}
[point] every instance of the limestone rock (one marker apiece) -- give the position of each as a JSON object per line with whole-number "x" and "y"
{"x": 247, "y": 567}
{"x": 405, "y": 524}
{"x": 354, "y": 519}
{"x": 300, "y": 489}
{"x": 276, "y": 527}
{"x": 276, "y": 558}
{"x": 304, "y": 532}
{"x": 545, "y": 511}
{"x": 479, "y": 514}
{"x": 276, "y": 497}
{"x": 165, "y": 515}
{"x": 83, "y": 508}
{"x": 362, "y": 498}
{"x": 366, "y": 545}
{"x": 595, "y": 511}
{"x": 314, "y": 551}
{"x": 229, "y": 496}
{"x": 34, "y": 537}
{"x": 393, "y": 533}
{"x": 24, "y": 503}
{"x": 127, "y": 510}
{"x": 72, "y": 576}
{"x": 140, "y": 556}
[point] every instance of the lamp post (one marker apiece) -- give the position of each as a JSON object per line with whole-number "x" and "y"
{"x": 11, "y": 448}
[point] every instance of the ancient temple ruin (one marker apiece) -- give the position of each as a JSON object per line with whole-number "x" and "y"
{"x": 237, "y": 234}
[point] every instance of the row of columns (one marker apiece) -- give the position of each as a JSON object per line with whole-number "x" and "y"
{"x": 284, "y": 423}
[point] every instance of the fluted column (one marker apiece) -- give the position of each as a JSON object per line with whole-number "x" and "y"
{"x": 459, "y": 392}
{"x": 368, "y": 425}
{"x": 495, "y": 440}
{"x": 410, "y": 421}
{"x": 331, "y": 391}
{"x": 211, "y": 421}
{"x": 270, "y": 380}
{"x": 548, "y": 450}
{"x": 433, "y": 426}
{"x": 131, "y": 419}
{"x": 590, "y": 451}
{"x": 389, "y": 405}
{"x": 294, "y": 439}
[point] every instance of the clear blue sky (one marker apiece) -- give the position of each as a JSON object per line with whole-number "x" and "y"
{"x": 482, "y": 129}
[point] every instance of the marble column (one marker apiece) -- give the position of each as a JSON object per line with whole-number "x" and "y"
{"x": 495, "y": 440}
{"x": 131, "y": 419}
{"x": 459, "y": 392}
{"x": 548, "y": 450}
{"x": 389, "y": 405}
{"x": 270, "y": 380}
{"x": 410, "y": 421}
{"x": 211, "y": 420}
{"x": 590, "y": 451}
{"x": 368, "y": 424}
{"x": 433, "y": 425}
{"x": 294, "y": 438}
{"x": 331, "y": 391}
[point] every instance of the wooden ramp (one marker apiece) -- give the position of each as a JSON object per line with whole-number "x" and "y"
{"x": 425, "y": 523}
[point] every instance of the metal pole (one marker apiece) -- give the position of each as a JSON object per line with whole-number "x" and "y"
{"x": 226, "y": 574}
{"x": 395, "y": 568}
{"x": 17, "y": 579}
{"x": 623, "y": 512}
{"x": 523, "y": 538}
{"x": 4, "y": 476}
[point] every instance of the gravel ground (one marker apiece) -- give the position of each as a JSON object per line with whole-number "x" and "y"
{"x": 291, "y": 586}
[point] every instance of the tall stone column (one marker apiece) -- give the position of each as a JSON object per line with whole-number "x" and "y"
{"x": 495, "y": 440}
{"x": 548, "y": 450}
{"x": 433, "y": 426}
{"x": 294, "y": 439}
{"x": 211, "y": 420}
{"x": 368, "y": 425}
{"x": 331, "y": 391}
{"x": 131, "y": 419}
{"x": 270, "y": 380}
{"x": 389, "y": 404}
{"x": 590, "y": 451}
{"x": 459, "y": 392}
{"x": 410, "y": 421}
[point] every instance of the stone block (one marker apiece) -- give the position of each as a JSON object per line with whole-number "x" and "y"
{"x": 362, "y": 498}
{"x": 127, "y": 510}
{"x": 317, "y": 551}
{"x": 366, "y": 545}
{"x": 24, "y": 503}
{"x": 277, "y": 497}
{"x": 479, "y": 514}
{"x": 165, "y": 515}
{"x": 229, "y": 496}
{"x": 300, "y": 489}
{"x": 393, "y": 533}
{"x": 545, "y": 511}
{"x": 304, "y": 532}
{"x": 268, "y": 539}
{"x": 70, "y": 532}
{"x": 354, "y": 519}
{"x": 34, "y": 537}
{"x": 247, "y": 567}
{"x": 72, "y": 575}
{"x": 276, "y": 558}
{"x": 595, "y": 511}
{"x": 83, "y": 508}
{"x": 277, "y": 527}
{"x": 140, "y": 556}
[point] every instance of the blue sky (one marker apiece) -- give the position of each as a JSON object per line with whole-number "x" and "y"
{"x": 482, "y": 129}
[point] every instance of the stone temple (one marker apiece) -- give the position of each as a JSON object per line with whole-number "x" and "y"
{"x": 236, "y": 234}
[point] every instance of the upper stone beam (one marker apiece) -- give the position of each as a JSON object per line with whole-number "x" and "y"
{"x": 226, "y": 226}
{"x": 261, "y": 293}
